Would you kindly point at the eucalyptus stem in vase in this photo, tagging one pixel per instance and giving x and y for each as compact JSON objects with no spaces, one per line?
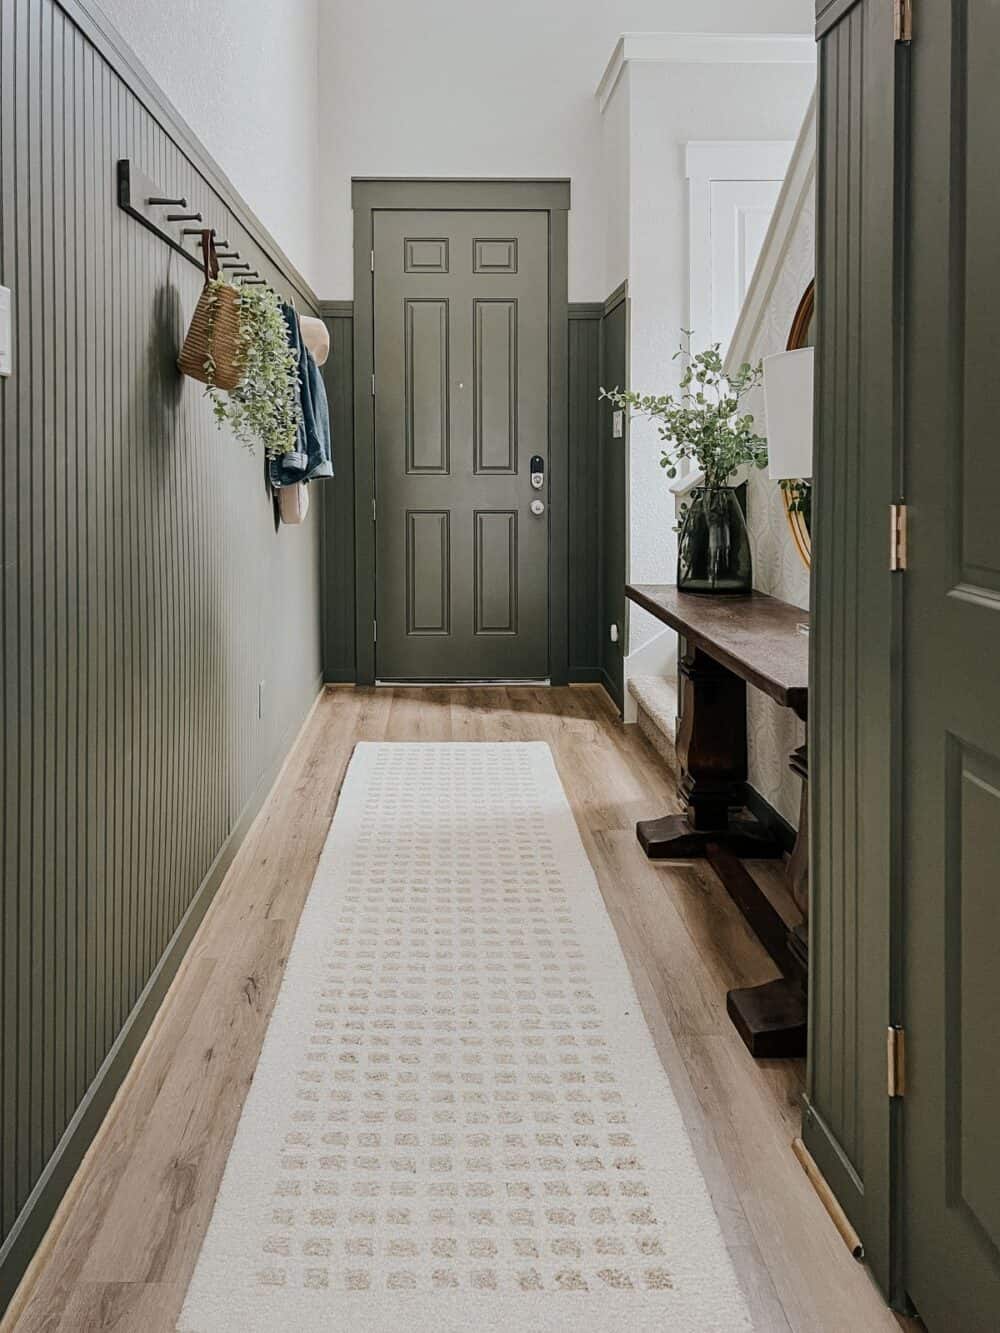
{"x":706,"y":423}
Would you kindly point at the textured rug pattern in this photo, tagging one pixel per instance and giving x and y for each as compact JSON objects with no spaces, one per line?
{"x":459,"y":1118}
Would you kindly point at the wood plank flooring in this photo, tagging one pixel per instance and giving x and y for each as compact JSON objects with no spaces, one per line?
{"x":122,"y":1249}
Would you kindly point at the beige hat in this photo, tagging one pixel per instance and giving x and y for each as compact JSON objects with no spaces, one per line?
{"x":293,"y":502}
{"x":316,"y":337}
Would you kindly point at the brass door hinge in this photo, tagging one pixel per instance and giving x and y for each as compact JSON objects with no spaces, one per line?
{"x":896,"y":1061}
{"x":897,"y":537}
{"x":902,"y":20}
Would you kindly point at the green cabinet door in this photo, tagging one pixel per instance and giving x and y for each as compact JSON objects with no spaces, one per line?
{"x":951,"y":671}
{"x":461,"y":409}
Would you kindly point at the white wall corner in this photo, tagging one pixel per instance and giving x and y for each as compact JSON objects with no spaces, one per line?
{"x":701,"y":48}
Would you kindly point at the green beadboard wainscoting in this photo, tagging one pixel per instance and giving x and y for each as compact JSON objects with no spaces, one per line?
{"x":161,"y":634}
{"x":337,"y":500}
{"x":848,"y":1120}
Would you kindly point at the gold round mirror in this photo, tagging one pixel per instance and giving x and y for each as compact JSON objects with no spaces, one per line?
{"x":798,"y":494}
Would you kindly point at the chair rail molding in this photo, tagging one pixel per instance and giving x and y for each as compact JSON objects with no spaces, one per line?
{"x":705,"y":48}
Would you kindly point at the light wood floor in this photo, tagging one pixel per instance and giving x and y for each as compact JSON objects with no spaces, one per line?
{"x":121,"y":1253}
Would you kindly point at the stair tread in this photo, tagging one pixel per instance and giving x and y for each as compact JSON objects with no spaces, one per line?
{"x":657,"y":697}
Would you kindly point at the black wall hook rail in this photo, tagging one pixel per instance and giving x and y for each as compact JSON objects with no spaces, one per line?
{"x":142,"y":198}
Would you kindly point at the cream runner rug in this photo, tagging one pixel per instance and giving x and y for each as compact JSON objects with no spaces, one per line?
{"x":459,"y":1120}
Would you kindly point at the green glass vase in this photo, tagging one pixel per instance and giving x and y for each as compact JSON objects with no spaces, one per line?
{"x":713,"y":554}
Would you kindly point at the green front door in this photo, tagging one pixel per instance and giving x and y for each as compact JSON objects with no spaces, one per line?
{"x":461,"y":410}
{"x":951,"y":670}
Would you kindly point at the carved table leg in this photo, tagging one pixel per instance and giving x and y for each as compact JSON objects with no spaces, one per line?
{"x":712,"y":754}
{"x":798,"y":864}
{"x":771,"y":1018}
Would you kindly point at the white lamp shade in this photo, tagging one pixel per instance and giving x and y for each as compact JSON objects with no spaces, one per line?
{"x":788,"y":407}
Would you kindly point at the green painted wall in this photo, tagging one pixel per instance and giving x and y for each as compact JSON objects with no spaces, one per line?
{"x":146,"y":593}
{"x":613,"y":498}
{"x":584,"y":493}
{"x":336,"y":500}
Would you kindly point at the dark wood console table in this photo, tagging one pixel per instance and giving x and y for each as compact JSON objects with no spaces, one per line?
{"x":730,"y":642}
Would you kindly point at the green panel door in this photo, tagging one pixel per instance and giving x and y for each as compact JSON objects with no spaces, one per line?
{"x":461,"y":408}
{"x":951,"y":768}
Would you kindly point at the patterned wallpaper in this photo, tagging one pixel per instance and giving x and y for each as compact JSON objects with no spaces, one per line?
{"x":778,"y":569}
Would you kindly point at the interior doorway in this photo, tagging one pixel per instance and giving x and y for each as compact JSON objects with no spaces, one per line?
{"x":460,"y":354}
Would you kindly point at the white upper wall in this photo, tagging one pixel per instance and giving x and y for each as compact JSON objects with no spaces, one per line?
{"x":666,"y":104}
{"x":244,"y":74}
{"x":470,"y":88}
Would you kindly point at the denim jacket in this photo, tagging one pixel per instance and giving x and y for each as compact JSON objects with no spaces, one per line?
{"x":311,"y":456}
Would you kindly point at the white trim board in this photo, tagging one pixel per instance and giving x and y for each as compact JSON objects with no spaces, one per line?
{"x":705,"y":48}
{"x":800,"y":183}
{"x":708,"y":162}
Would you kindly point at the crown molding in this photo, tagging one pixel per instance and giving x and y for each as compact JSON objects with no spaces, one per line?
{"x":705,"y":48}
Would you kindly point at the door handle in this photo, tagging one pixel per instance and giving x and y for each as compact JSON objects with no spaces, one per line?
{"x":538,"y":507}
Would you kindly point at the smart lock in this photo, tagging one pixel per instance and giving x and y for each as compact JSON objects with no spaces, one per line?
{"x":537,"y":471}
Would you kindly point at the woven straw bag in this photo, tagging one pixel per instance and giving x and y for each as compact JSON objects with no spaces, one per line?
{"x":214,"y":333}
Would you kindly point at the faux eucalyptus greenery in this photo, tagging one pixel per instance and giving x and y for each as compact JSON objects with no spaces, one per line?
{"x":265,"y":407}
{"x":704,"y":421}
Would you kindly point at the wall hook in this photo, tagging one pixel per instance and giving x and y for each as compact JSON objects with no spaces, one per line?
{"x":183,"y":217}
{"x":159,"y":199}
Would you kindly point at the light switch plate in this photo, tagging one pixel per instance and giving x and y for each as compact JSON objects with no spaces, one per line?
{"x":6,"y":340}
{"x":618,"y":423}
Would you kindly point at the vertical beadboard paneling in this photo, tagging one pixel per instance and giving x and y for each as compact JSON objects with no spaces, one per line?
{"x":847,"y":1122}
{"x":584,"y":495}
{"x":146,"y":590}
{"x":613,"y":505}
{"x":337,"y":500}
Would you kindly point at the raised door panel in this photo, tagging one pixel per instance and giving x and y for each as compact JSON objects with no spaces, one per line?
{"x":972,"y":1074}
{"x":979,"y":541}
{"x":494,"y":254}
{"x":496,"y":562}
{"x":426,"y":370}
{"x":494,"y":380}
{"x":428,"y":572}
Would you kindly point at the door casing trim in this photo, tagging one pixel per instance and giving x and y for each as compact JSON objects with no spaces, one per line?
{"x":368,"y":196}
